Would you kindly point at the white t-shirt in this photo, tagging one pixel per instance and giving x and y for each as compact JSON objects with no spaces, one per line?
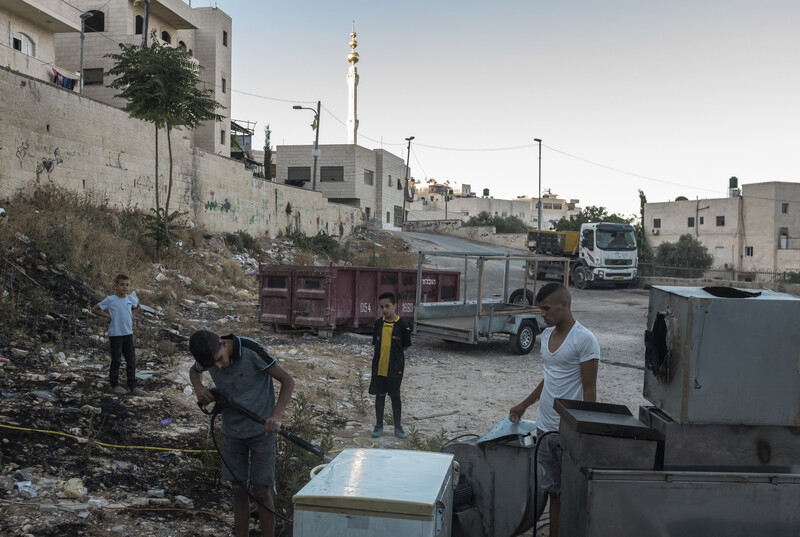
{"x":120,"y":311}
{"x":562,"y":371}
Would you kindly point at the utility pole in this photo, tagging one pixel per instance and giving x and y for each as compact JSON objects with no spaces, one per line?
{"x":405,"y":189}
{"x":539,"y":201}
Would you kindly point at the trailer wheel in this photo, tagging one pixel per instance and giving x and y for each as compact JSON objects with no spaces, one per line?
{"x":522,"y":342}
{"x":516,"y":297}
{"x":533,"y":274}
{"x":580,"y":277}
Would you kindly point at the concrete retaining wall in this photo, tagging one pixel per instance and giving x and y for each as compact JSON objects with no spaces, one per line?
{"x":49,"y":135}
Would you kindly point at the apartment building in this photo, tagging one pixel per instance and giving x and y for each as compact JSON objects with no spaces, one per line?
{"x":757,"y":228}
{"x":349,"y":174}
{"x":28,"y":32}
{"x":430,"y":204}
{"x":204,"y":32}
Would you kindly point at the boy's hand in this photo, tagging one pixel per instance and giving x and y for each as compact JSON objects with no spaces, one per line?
{"x":204,"y":395}
{"x":272,"y":425}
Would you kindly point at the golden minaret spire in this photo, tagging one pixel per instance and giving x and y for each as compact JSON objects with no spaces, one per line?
{"x":352,"y":83}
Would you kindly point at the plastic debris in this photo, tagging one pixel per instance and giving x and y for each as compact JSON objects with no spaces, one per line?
{"x":187,"y":390}
{"x":155,"y":493}
{"x":26,"y":489}
{"x":166,"y":422}
{"x":75,"y":489}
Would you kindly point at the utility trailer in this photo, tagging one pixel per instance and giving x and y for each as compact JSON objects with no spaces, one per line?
{"x":488,"y":306}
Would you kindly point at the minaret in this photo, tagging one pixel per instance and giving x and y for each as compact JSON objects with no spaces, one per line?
{"x":352,"y":83}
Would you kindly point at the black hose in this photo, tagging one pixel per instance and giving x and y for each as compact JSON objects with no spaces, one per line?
{"x":233,"y":474}
{"x":536,"y":469}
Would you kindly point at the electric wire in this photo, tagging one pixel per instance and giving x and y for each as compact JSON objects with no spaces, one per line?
{"x":104,"y":444}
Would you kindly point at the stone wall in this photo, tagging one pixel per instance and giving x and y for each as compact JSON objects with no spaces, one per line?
{"x":51,"y":135}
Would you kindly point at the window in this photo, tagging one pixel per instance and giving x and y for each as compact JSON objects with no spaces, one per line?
{"x":505,"y":214}
{"x":331,"y":173}
{"x":399,"y":185}
{"x":748,"y":251}
{"x":369,"y":177}
{"x":720,"y":221}
{"x":182,"y":46}
{"x":165,"y":37}
{"x":656,"y":222}
{"x":96,"y":23}
{"x":702,"y":220}
{"x":368,"y":211}
{"x":223,"y":85}
{"x":465,"y":213}
{"x":139,"y":25}
{"x":390,"y":183}
{"x":690,"y":222}
{"x":784,"y":208}
{"x":398,"y":214}
{"x":388,"y":217}
{"x":224,"y":38}
{"x":93,"y":77}
{"x":24,"y":44}
{"x":299,"y":175}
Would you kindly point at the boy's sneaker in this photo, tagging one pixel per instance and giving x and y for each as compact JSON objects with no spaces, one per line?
{"x":399,"y":432}
{"x":377,"y":431}
{"x":139,"y":392}
{"x":119,"y":390}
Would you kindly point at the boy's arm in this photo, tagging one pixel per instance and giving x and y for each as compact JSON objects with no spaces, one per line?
{"x":135,"y":310}
{"x":99,"y":312}
{"x":273,"y":423}
{"x":203,"y":394}
{"x":589,"y":380}
{"x":516,"y":412}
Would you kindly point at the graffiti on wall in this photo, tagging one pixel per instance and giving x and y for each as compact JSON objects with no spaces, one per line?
{"x":225,"y":206}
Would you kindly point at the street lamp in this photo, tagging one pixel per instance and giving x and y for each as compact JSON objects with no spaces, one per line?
{"x":315,"y":153}
{"x":85,"y":15}
{"x":405,"y":189}
{"x":539,"y":140}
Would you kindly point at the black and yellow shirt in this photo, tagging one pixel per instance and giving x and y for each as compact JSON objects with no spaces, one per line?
{"x":389,"y":339}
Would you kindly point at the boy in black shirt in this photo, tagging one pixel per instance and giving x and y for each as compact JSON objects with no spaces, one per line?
{"x":391,"y":336}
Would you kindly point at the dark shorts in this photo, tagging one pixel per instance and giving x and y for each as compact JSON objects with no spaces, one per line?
{"x":383,"y":385}
{"x":252,"y":460}
{"x":550,"y":464}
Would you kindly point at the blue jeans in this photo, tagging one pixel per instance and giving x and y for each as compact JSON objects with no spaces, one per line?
{"x":122,"y":346}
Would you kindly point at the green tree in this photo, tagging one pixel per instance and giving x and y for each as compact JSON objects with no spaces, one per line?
{"x":589,"y":215}
{"x":687,"y":253}
{"x":160,"y":83}
{"x":267,"y":153}
{"x":502,"y":224}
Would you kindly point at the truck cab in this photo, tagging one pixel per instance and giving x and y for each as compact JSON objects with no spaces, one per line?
{"x":607,"y":253}
{"x":599,"y":252}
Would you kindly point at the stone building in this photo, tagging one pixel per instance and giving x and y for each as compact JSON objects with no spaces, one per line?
{"x":205,"y":32}
{"x":28,"y":35}
{"x":755,"y":229}
{"x":369,"y":179}
{"x":430,"y":204}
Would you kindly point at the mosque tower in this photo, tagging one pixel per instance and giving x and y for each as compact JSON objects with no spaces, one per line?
{"x":352,"y":83}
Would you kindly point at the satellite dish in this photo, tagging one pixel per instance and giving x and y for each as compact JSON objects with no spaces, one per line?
{"x":681,"y":198}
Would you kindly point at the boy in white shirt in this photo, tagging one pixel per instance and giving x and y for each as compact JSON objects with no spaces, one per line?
{"x":570,"y":354}
{"x":121,"y":308}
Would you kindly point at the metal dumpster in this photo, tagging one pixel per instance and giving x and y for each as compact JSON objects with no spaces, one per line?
{"x":345,"y":298}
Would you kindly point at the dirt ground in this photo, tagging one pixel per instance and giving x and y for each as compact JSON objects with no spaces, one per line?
{"x":449,"y":390}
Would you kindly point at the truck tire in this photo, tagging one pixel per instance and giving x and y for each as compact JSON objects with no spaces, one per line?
{"x":516,"y":297}
{"x":523,"y":341}
{"x":580,"y":277}
{"x":530,"y":268}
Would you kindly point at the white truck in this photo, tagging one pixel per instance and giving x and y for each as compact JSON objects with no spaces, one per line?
{"x":599,"y":252}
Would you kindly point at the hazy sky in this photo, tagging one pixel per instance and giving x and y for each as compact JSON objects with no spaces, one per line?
{"x":669,"y":97}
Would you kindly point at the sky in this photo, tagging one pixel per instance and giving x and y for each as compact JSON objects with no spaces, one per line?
{"x":671,"y":98}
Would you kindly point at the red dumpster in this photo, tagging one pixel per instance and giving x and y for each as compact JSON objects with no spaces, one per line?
{"x":344,"y":298}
